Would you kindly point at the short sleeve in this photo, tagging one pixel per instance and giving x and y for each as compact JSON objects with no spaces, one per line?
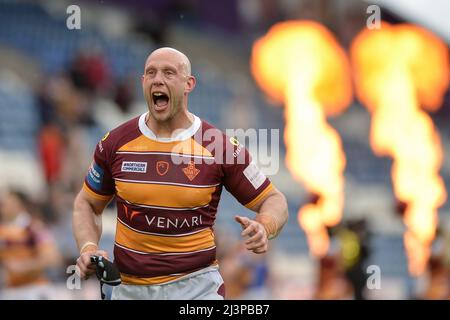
{"x":98,"y":181}
{"x":242,"y":177}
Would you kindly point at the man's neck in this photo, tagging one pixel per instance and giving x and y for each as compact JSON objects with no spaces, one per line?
{"x":166,"y":129}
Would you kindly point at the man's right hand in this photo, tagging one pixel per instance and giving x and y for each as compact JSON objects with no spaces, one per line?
{"x":86,"y":267}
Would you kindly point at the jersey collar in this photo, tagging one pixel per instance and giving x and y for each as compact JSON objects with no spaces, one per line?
{"x":182,"y":135}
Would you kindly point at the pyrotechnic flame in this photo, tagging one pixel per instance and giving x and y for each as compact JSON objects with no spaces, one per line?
{"x":300,"y":64}
{"x":398,"y":70}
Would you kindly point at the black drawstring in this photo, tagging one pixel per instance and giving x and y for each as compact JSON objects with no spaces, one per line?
{"x":102,"y":294}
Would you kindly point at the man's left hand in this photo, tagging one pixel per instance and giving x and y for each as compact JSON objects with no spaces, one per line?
{"x":255,"y":234}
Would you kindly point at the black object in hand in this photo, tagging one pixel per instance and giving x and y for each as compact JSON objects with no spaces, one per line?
{"x":106,"y":272}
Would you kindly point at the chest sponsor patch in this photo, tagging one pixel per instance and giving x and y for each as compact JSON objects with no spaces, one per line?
{"x":132,"y":166}
{"x":254,"y":175}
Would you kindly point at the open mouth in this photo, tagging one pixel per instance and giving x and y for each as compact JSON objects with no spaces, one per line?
{"x":160,"y":100}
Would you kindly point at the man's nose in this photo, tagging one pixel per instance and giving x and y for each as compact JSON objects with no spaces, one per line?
{"x":158,"y":79}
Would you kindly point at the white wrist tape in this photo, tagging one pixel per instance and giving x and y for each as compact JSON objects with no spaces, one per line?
{"x":86,"y":244}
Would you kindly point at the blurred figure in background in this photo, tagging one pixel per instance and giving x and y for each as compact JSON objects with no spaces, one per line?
{"x":123,"y":94}
{"x":332,"y":284}
{"x":27,"y":250}
{"x":246,"y":275}
{"x":438,"y":275}
{"x":438,"y":287}
{"x":89,"y":71}
{"x":51,"y":148}
{"x":235,"y":272}
{"x":355,"y":251}
{"x":342,"y":275}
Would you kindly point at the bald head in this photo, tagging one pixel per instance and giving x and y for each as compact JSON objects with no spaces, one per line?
{"x":179,"y":58}
{"x":166,"y":84}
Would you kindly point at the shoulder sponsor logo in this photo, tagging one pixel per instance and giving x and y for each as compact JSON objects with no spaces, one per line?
{"x":254,"y":175}
{"x":191,"y":171}
{"x":100,"y":146}
{"x":234,"y":141}
{"x":132,"y":166}
{"x":95,"y":176}
{"x":105,"y":136}
{"x":237,"y":151}
{"x":162,"y":167}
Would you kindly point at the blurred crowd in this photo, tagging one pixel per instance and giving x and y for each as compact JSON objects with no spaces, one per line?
{"x":36,"y":245}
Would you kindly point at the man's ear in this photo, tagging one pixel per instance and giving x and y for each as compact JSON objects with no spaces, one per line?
{"x":190,"y":84}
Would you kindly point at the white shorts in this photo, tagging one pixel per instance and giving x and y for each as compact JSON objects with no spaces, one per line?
{"x":206,"y":285}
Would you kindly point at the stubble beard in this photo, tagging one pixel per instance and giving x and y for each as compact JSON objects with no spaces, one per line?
{"x":166,"y":117}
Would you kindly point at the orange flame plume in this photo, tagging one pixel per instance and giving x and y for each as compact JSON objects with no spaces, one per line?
{"x":398,"y":70}
{"x":301,"y":64}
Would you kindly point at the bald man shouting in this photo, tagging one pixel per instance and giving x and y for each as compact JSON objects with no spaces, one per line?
{"x":166,"y":170}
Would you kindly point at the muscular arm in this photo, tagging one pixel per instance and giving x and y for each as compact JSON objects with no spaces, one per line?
{"x":87,"y":229}
{"x":272,"y":214}
{"x":87,"y":221}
